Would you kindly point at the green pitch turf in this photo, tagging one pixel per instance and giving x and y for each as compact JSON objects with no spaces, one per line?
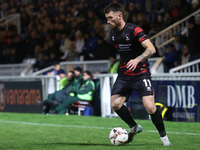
{"x":20,"y":131}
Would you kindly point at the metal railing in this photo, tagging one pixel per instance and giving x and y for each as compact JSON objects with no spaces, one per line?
{"x":158,"y":66}
{"x":100,"y":66}
{"x":190,"y":67}
{"x":14,"y":69}
{"x":168,"y":33}
{"x":93,"y":66}
{"x":25,"y":69}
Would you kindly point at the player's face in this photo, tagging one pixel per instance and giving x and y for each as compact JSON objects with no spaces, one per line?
{"x":113,"y":19}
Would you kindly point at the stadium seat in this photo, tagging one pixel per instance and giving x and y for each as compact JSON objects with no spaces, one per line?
{"x":81,"y":106}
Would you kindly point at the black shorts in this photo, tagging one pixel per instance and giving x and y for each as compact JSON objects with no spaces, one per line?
{"x":141,"y":84}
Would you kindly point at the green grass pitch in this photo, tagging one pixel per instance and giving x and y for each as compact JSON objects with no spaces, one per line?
{"x":20,"y":131}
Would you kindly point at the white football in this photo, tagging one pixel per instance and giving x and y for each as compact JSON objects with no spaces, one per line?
{"x":118,"y":136}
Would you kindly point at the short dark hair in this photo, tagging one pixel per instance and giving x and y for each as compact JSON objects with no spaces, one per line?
{"x":78,"y":69}
{"x":114,"y":7}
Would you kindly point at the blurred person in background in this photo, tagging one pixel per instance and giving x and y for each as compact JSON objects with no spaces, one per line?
{"x":185,"y":55}
{"x":63,"y":81}
{"x":56,"y":68}
{"x":57,"y":97}
{"x":79,"y":42}
{"x":197,"y":20}
{"x":104,"y":47}
{"x":171,"y":58}
{"x":91,"y":42}
{"x":114,"y":64}
{"x":193,"y":39}
{"x":85,"y":93}
{"x":132,"y":10}
{"x":195,"y":5}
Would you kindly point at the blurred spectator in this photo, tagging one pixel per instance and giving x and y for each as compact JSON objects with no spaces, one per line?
{"x":53,"y":57}
{"x":64,"y":44}
{"x":78,"y":79}
{"x":183,"y":9}
{"x":56,"y":68}
{"x":114,"y":64}
{"x":103,"y":50}
{"x":159,"y":23}
{"x":185,"y":55}
{"x":173,"y":7}
{"x":193,"y":39}
{"x":57,"y":97}
{"x":167,"y":19}
{"x":62,"y":79}
{"x":197,"y":20}
{"x":160,"y":8}
{"x":134,"y":19}
{"x":68,"y":44}
{"x":12,"y":56}
{"x":31,"y":44}
{"x":171,"y":58}
{"x":99,"y":28}
{"x":71,"y":55}
{"x":19,"y":46}
{"x":85,"y":93}
{"x":82,"y":7}
{"x":195,"y":5}
{"x":41,"y":62}
{"x":132,"y":10}
{"x":92,"y":18}
{"x":38,"y":50}
{"x":74,"y":28}
{"x":65,"y":80}
{"x":79,"y":41}
{"x":53,"y":49}
{"x":180,"y":40}
{"x":143,"y":22}
{"x":90,"y":45}
{"x":82,"y":23}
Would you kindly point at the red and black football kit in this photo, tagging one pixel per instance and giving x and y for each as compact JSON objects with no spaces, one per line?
{"x":128,"y":44}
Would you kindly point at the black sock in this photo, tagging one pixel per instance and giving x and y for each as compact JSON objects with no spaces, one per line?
{"x":125,"y":115}
{"x":158,"y":122}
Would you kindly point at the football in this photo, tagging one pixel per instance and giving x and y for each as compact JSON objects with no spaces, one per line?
{"x":118,"y":136}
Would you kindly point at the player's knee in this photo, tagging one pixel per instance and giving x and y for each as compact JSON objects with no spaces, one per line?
{"x":117,"y":102}
{"x":114,"y":105}
{"x":150,"y":109}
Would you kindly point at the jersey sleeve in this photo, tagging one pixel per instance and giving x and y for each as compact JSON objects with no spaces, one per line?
{"x":139,"y":34}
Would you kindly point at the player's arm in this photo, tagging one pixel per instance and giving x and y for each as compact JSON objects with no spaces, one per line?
{"x":149,"y":50}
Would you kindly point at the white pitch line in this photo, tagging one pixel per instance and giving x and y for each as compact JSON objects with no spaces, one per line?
{"x":75,"y":126}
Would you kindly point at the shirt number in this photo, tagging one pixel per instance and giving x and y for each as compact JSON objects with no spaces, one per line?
{"x":147,"y":82}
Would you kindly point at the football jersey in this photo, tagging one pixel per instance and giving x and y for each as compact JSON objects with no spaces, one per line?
{"x":128,"y":44}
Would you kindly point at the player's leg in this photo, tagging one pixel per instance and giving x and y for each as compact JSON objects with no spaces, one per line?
{"x":156,"y":117}
{"x":117,"y":104}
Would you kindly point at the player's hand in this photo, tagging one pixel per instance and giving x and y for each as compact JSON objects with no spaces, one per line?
{"x":131,"y":65}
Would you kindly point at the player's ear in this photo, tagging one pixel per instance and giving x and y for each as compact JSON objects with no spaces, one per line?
{"x":120,"y":16}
